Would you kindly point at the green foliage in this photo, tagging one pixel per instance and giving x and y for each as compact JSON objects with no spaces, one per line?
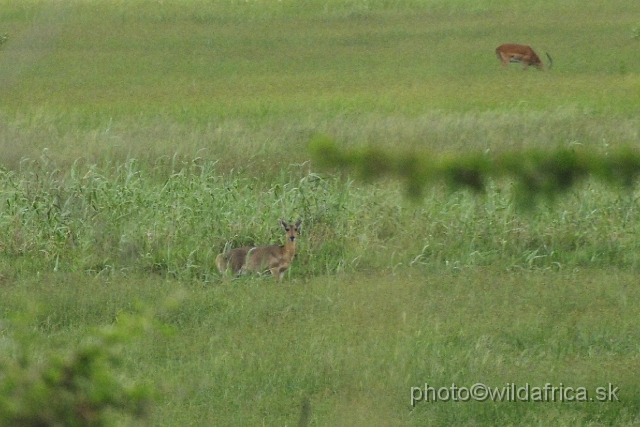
{"x":80,"y":388}
{"x":536,"y":172}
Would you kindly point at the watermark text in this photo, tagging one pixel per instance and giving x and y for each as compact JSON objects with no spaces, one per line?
{"x":512,"y":392}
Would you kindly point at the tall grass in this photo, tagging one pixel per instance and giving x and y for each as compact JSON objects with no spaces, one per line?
{"x":128,"y":217}
{"x":63,"y":139}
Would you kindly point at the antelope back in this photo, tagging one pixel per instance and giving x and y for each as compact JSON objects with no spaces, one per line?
{"x":511,"y":52}
{"x":233,"y":260}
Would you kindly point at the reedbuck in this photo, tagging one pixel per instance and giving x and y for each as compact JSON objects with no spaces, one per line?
{"x":520,"y":53}
{"x":259,"y":259}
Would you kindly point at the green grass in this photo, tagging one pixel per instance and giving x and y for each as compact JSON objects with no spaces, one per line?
{"x":277,"y":59}
{"x":139,"y":139}
{"x":249,"y":352}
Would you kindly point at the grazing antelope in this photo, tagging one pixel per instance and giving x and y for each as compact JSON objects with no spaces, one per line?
{"x":259,"y":259}
{"x":520,"y":53}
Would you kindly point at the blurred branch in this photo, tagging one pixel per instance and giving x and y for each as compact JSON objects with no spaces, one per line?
{"x":81,"y":388}
{"x":535,"y":172}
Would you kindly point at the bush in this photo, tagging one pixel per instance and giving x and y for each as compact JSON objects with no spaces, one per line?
{"x":81,"y":388}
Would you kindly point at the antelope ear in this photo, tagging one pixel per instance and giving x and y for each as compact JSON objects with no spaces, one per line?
{"x":284,"y":224}
{"x":298,"y":223}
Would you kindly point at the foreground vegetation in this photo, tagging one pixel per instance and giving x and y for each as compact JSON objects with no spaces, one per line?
{"x":139,"y":139}
{"x":251,"y":351}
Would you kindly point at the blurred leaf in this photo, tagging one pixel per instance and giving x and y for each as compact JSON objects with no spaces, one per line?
{"x":535,"y":172}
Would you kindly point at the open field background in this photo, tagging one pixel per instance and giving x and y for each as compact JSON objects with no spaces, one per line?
{"x":138,"y":139}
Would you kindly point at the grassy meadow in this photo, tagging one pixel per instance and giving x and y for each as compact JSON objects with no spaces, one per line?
{"x":140,"y":138}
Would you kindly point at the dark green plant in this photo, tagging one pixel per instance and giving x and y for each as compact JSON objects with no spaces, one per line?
{"x":81,"y":388}
{"x":535,"y":172}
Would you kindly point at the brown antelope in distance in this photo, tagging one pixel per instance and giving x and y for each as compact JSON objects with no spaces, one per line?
{"x":520,"y":53}
{"x":258,"y":259}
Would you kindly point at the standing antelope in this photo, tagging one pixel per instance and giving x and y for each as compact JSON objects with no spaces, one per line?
{"x":258,"y":259}
{"x":520,"y":53}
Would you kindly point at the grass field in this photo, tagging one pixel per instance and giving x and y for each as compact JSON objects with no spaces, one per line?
{"x":141,"y":138}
